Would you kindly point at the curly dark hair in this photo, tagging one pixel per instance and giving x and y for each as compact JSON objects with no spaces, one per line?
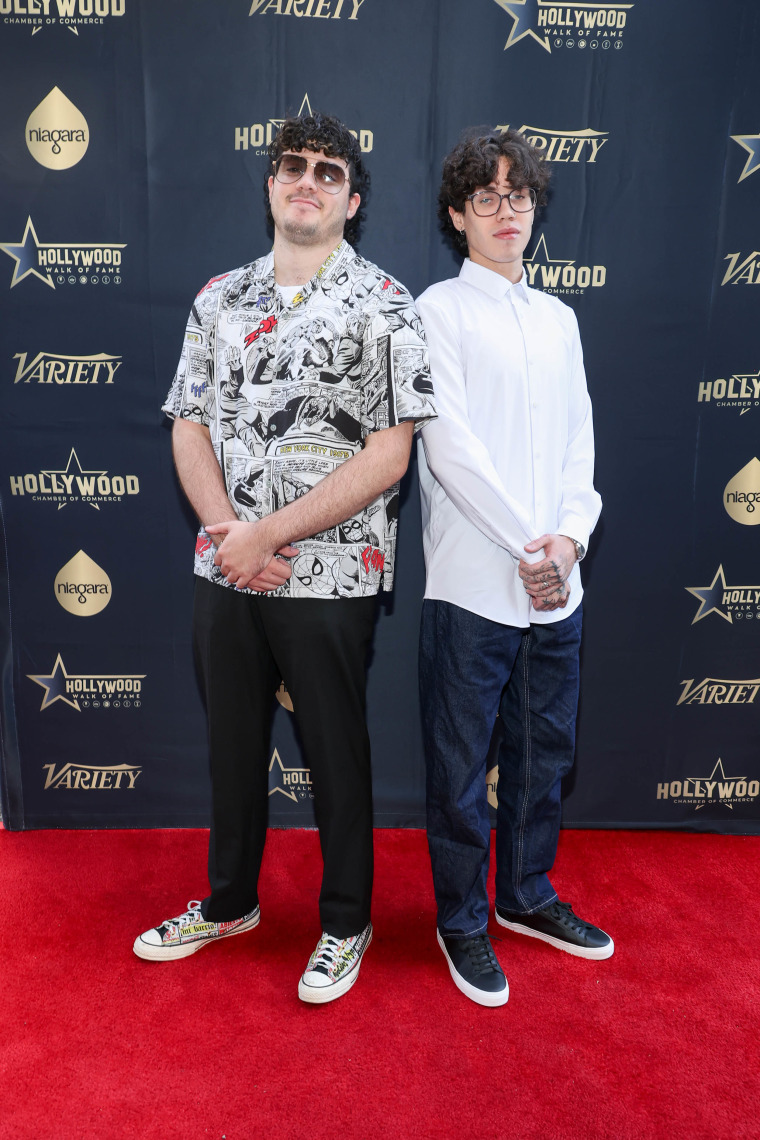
{"x":474,"y":162}
{"x":326,"y":133}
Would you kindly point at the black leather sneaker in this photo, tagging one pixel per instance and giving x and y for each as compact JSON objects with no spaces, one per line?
{"x":558,"y":925}
{"x":474,"y":968}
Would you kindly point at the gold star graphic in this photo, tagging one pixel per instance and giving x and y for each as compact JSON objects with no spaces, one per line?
{"x":751,"y":144}
{"x":288,"y":792}
{"x":74,"y":467}
{"x":541,"y":244}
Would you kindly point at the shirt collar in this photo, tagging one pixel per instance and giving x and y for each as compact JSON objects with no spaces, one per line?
{"x":340,"y":256}
{"x":493,"y":283}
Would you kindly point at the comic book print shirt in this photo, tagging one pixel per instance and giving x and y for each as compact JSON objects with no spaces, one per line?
{"x":290,"y":391}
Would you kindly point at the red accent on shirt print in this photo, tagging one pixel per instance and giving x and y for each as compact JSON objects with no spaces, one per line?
{"x":266,"y":326}
{"x":373,"y":559}
{"x":213,"y":281}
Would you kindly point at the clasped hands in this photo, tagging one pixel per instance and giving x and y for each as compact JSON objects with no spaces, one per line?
{"x":246,"y":558}
{"x":546,"y":581}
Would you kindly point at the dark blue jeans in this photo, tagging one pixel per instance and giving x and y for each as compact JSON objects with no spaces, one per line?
{"x":471,"y":670}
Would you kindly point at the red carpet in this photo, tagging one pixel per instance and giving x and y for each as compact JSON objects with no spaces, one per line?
{"x":659,"y":1041}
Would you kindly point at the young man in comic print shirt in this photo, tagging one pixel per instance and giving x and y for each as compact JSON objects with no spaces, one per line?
{"x":508,"y":504}
{"x":292,"y":427}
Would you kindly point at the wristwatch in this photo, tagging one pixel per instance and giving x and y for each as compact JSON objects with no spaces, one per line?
{"x":580,"y":549}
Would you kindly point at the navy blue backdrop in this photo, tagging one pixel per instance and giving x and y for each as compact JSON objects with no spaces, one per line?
{"x":132,"y":156}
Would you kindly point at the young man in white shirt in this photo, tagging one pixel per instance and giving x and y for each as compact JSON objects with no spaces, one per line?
{"x":508,"y":504}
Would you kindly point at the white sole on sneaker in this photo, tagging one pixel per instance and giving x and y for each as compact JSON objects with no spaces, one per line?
{"x":597,"y":953}
{"x":172,"y":953}
{"x":318,"y":995}
{"x":482,"y":997}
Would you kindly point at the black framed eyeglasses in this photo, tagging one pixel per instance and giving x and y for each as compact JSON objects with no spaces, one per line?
{"x":327,"y":175}
{"x":488,"y":202}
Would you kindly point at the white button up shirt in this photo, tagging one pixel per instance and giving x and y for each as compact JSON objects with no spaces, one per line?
{"x":511,"y":455}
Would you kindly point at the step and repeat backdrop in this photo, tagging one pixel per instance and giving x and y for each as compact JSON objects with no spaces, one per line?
{"x":132,"y":151}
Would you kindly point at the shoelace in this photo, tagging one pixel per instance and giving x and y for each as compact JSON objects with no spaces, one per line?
{"x":328,"y":951}
{"x":481,"y":953}
{"x":563,"y":913}
{"x":192,"y":914}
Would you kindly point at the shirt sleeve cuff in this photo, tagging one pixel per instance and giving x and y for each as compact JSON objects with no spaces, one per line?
{"x":574,"y":527}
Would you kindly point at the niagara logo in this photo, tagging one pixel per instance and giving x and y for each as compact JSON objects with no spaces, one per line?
{"x":57,"y":134}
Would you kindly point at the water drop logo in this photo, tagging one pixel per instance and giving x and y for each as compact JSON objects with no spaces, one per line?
{"x":82,"y":587}
{"x":741,"y":498}
{"x":57,"y":134}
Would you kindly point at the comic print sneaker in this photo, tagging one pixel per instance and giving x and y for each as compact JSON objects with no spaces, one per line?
{"x":333,"y":967}
{"x":560,"y":926}
{"x":179,"y":937}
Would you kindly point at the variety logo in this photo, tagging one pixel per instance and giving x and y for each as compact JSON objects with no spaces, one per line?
{"x":715,"y":691}
{"x":555,"y":275}
{"x":751,"y":144}
{"x":744,"y":272}
{"x":314,"y":9}
{"x":742,"y":390}
{"x":741,"y":496}
{"x":53,"y":368}
{"x":259,"y":135}
{"x":729,"y":602}
{"x":293,"y":783}
{"x":82,"y":587}
{"x":61,"y":263}
{"x":563,"y":146}
{"x":90,"y":777}
{"x":56,"y":132}
{"x":73,"y":484}
{"x":89,"y":690}
{"x":717,"y":788}
{"x":71,"y":14}
{"x":582,"y":24}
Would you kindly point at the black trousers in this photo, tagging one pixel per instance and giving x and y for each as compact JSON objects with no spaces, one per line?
{"x":245,"y":645}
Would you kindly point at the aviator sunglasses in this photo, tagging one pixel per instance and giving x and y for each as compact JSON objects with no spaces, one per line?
{"x":327,"y":175}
